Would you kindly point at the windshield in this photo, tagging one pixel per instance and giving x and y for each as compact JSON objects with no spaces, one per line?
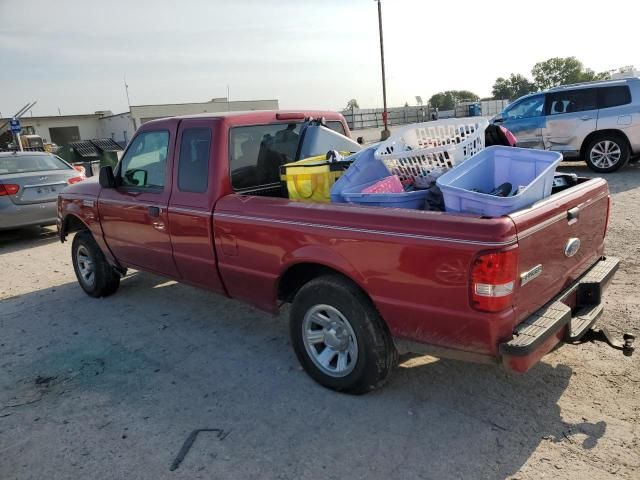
{"x":30,"y":163}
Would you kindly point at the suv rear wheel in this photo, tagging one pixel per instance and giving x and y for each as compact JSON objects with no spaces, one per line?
{"x":607,"y":153}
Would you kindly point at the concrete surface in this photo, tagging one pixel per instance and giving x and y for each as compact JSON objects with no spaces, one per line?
{"x":111,"y":388}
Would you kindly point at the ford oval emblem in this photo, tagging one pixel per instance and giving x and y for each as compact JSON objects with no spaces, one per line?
{"x":572,"y":247}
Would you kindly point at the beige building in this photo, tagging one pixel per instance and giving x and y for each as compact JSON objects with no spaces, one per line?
{"x":120,"y":127}
{"x":143,"y":113}
{"x":63,"y":129}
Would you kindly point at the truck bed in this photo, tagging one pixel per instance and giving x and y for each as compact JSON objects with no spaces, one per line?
{"x":414,"y":264}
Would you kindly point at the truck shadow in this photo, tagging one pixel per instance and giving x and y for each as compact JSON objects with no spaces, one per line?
{"x":164,"y":359}
{"x":25,"y":238}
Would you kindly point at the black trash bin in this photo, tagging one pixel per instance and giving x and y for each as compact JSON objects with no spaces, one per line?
{"x":86,"y":154}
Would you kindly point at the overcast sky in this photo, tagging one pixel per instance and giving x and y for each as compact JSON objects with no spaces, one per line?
{"x":73,"y":55}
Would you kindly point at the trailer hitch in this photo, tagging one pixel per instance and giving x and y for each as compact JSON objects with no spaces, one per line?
{"x":603,"y":335}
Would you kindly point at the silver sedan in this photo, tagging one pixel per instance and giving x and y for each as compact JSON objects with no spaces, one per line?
{"x":29,"y":187}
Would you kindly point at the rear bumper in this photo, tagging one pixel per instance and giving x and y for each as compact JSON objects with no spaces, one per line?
{"x":557,"y":321}
{"x":17,"y":216}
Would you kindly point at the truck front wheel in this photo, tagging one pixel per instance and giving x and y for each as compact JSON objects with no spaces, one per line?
{"x":339,"y":337}
{"x":96,"y":277}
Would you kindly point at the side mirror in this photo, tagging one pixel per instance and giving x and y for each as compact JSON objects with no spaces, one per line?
{"x":107,"y":178}
{"x":498,"y":118}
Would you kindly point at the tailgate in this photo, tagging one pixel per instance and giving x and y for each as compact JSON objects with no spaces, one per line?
{"x":559,"y":239}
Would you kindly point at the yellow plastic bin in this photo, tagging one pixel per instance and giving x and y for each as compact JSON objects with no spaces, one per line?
{"x":311,"y":179}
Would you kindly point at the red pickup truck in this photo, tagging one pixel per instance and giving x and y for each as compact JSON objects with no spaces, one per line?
{"x":198,"y":199}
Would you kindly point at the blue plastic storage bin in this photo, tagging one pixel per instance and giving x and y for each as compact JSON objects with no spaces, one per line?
{"x":413,"y":200}
{"x":492,"y":167}
{"x":364,"y":169}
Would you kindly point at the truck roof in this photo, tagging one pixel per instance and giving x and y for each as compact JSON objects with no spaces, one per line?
{"x":262,"y":115}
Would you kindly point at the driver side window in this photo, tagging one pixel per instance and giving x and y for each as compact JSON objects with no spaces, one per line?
{"x":145,"y":163}
{"x":529,"y":107}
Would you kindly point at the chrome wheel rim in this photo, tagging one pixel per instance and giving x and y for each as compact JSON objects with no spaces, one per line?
{"x":605,"y":154}
{"x":330,"y":340}
{"x":85,"y":266}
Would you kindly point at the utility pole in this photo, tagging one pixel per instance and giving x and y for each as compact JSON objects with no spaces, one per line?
{"x":126,"y":90}
{"x":18,"y":141}
{"x":385,"y":133}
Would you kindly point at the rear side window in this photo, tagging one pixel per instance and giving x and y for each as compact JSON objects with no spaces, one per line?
{"x":30,"y":163}
{"x":193,"y":166}
{"x":336,"y":126}
{"x":613,"y":96}
{"x":256,"y":153}
{"x":571,"y":101}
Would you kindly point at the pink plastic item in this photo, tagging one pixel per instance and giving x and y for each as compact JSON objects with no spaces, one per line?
{"x":511,"y":138}
{"x":390,"y":184}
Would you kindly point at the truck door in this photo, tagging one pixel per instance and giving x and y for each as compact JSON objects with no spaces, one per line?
{"x":134,"y":215}
{"x":191,"y":205}
{"x":525,"y":119}
{"x":571,"y":116}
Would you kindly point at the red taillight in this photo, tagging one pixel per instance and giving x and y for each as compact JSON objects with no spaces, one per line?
{"x":290,"y":116}
{"x":80,"y":168}
{"x":8,"y":189}
{"x":493,"y":279}
{"x":73,"y":180}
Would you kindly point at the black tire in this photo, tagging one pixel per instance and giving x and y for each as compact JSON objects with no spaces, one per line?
{"x":595,"y":147}
{"x":105,"y":279}
{"x":376,"y":355}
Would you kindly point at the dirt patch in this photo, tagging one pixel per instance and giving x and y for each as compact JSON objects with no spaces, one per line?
{"x":111,"y":388}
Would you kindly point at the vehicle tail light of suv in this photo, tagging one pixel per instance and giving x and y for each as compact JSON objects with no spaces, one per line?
{"x":8,"y":189}
{"x":493,"y":279}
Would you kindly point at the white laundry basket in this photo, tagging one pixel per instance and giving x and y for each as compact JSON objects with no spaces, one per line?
{"x":418,"y":149}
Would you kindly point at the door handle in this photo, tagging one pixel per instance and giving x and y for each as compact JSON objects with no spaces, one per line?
{"x":573,"y":214}
{"x":154,"y":211}
{"x":585,"y":118}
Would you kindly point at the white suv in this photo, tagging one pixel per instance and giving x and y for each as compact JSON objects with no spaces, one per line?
{"x":598,"y":122}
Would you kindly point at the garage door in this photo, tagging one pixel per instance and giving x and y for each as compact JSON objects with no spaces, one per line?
{"x":64,"y":135}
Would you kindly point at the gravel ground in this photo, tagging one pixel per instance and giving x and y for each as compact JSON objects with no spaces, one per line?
{"x":111,"y":388}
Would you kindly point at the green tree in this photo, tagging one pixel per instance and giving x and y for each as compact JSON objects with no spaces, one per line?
{"x":447,"y":100}
{"x":561,"y":71}
{"x":513,"y":87}
{"x":502,"y":89}
{"x":521,"y":85}
{"x":352,"y":104}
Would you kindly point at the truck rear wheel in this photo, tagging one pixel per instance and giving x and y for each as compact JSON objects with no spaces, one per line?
{"x":339,"y":337}
{"x":96,"y":277}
